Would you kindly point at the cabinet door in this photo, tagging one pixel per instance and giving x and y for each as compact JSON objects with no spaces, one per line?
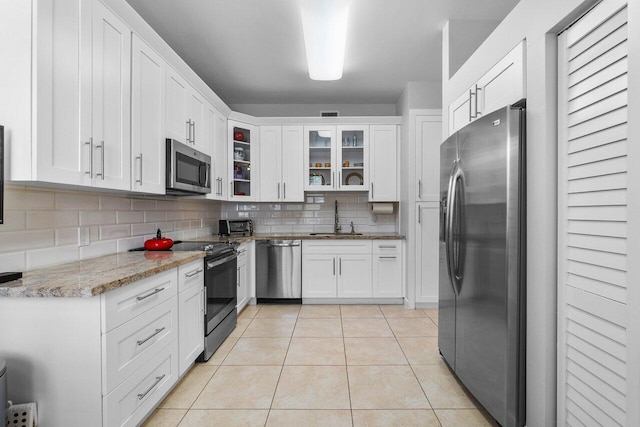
{"x":319,"y":276}
{"x":383,"y":163}
{"x":352,"y":157}
{"x":270,"y":181}
{"x":504,"y":84}
{"x":387,"y":276}
{"x":427,"y":253}
{"x":220,"y":156}
{"x":460,"y":112}
{"x":63,"y":107}
{"x":292,"y":164}
{"x":147,"y":123}
{"x":244,"y":166}
{"x":176,"y":107}
{"x":354,"y":276}
{"x":428,"y":139}
{"x":243,"y":279}
{"x":320,"y":158}
{"x":111,"y":100}
{"x":191,"y":326}
{"x":196,"y":105}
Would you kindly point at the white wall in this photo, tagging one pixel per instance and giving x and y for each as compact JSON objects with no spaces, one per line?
{"x":537,"y":21}
{"x":419,"y":95}
{"x":313,"y":110}
{"x":465,"y":35}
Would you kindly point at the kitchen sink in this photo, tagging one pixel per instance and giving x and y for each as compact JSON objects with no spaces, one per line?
{"x":335,"y":234}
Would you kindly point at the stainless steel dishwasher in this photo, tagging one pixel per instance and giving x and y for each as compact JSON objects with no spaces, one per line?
{"x":279,"y":271}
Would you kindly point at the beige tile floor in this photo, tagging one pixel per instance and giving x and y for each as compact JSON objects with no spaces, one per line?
{"x":324,"y":365}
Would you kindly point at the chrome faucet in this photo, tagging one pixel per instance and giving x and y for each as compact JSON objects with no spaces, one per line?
{"x":336,"y":226}
{"x":353,"y":229}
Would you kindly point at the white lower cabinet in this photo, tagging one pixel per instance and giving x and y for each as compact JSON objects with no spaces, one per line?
{"x":244,"y":275}
{"x":387,"y":269}
{"x":190,"y":313}
{"x":427,"y":253}
{"x":352,"y":269}
{"x":107,"y":360}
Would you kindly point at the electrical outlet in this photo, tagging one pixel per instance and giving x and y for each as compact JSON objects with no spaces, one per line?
{"x":84,"y":236}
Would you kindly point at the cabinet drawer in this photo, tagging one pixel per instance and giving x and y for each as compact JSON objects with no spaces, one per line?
{"x":387,"y":247}
{"x":129,"y":346}
{"x":332,"y":247}
{"x":127,"y":302}
{"x":129,"y":403}
{"x":191,"y":274}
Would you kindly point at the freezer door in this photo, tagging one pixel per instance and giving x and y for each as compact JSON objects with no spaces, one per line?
{"x":447,"y":297}
{"x":487,"y":309}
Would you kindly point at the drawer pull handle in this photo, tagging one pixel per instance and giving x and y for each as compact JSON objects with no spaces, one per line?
{"x":151,"y":336}
{"x":387,"y":246}
{"x":158,"y":379}
{"x":387,"y":257}
{"x":193,"y":273}
{"x":151,"y":294}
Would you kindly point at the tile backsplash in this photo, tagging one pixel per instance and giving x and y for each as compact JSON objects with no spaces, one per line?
{"x":41,"y":225}
{"x":315,"y":215}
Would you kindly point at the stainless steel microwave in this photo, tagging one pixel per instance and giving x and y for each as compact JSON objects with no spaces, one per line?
{"x":188,"y":170}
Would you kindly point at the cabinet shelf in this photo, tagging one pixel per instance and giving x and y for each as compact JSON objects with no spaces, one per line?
{"x":241,"y":180}
{"x":241,"y":142}
{"x":350,"y":147}
{"x":244,"y":162}
{"x":359,"y":168}
{"x":319,"y":169}
{"x":319,"y":148}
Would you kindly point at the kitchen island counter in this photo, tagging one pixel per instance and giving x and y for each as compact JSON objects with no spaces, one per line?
{"x":94,"y":276}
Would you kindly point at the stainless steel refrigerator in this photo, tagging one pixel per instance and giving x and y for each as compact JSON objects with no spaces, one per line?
{"x":482,"y":261}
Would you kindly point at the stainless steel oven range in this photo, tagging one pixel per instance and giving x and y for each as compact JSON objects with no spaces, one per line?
{"x":221,"y":291}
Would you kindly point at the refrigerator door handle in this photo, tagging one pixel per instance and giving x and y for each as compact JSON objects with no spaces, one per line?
{"x":447,"y":226}
{"x":453,"y":251}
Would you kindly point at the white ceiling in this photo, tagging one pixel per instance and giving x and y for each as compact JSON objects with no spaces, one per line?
{"x":252,"y":51}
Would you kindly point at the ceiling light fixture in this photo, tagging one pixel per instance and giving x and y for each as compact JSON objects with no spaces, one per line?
{"x":324,"y":23}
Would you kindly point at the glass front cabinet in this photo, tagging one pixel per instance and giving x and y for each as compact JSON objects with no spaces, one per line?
{"x":243,"y":155}
{"x":336,"y":158}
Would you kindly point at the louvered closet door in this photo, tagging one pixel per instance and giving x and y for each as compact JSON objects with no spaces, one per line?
{"x":592,"y":229}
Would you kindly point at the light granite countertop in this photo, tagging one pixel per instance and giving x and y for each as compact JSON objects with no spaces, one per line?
{"x":94,"y":276}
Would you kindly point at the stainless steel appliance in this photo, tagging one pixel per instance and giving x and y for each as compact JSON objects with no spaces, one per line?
{"x":188,"y":170}
{"x":3,"y":392}
{"x":1,"y":174}
{"x":279,"y":271}
{"x":481,"y":332}
{"x":235,"y":227}
{"x":221,"y":293}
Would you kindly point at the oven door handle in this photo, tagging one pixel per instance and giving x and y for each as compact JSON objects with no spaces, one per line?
{"x":213,"y":264}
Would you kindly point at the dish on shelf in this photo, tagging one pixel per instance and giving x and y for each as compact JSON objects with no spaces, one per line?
{"x":238,"y":136}
{"x":316,"y":179}
{"x":358,"y":164}
{"x":354,"y":179}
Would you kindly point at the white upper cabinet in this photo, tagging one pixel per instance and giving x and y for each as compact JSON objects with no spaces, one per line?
{"x":281,"y":164}
{"x":216,"y":137}
{"x":383,"y":163}
{"x":198,"y":134}
{"x":178,"y":125}
{"x":502,"y":85}
{"x":111,"y":100}
{"x":69,"y":109}
{"x":147,"y":119}
{"x":292,"y":164}
{"x":428,"y":136}
{"x":185,"y":113}
{"x":336,"y":158}
{"x":243,"y":161}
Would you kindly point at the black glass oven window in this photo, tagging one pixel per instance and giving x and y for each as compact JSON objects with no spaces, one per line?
{"x":221,"y":282}
{"x":189,"y":170}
